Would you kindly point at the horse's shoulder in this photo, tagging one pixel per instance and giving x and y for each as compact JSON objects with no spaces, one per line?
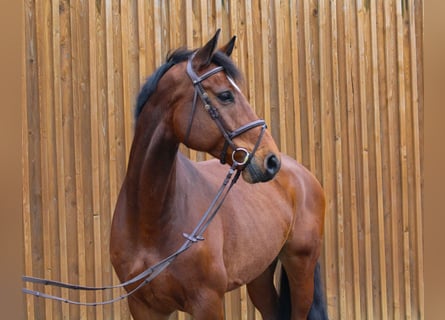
{"x":298,"y":178}
{"x":295,"y":169}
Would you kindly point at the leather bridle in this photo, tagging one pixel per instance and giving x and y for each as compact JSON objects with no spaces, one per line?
{"x":237,"y":152}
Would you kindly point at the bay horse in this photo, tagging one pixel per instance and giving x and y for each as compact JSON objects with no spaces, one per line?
{"x":195,"y":99}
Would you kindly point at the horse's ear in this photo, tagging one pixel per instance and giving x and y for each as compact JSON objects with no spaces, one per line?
{"x":228,"y":48}
{"x":204,"y":55}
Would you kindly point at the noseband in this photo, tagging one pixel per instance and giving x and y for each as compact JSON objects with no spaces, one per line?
{"x":240,"y":156}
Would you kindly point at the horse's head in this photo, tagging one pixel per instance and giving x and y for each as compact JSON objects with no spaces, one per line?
{"x":211,"y":114}
{"x":216,"y":117}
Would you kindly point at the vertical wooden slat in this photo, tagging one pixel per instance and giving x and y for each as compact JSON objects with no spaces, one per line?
{"x":403,"y":157}
{"x":112,"y":117}
{"x":95,"y":162}
{"x":414,"y":49}
{"x":157,"y":30}
{"x":279,"y":29}
{"x":189,"y":23}
{"x":218,"y":16}
{"x":59,"y":141}
{"x":78,"y":101}
{"x":265,"y":59}
{"x":26,"y":209}
{"x":27,"y":63}
{"x":174,"y":21}
{"x":44,"y":42}
{"x":66,"y":133}
{"x":378,"y":161}
{"x":361,"y":34}
{"x":308,"y":80}
{"x":390,"y":49}
{"x":338,"y":169}
{"x":141,"y":19}
{"x":328,"y":161}
{"x":351,"y":125}
{"x":111,"y":106}
{"x":104,"y":151}
{"x":125,"y":30}
{"x":205,"y":32}
{"x":295,"y":80}
{"x":33,"y":218}
{"x":142,"y":23}
{"x":251,"y":54}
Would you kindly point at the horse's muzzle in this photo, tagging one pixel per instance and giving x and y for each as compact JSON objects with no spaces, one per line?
{"x":255,"y":172}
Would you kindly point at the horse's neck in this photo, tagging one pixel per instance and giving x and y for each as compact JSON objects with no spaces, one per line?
{"x":151,"y":176}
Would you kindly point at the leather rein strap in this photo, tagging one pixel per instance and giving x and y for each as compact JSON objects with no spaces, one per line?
{"x":150,"y":273}
{"x":197,"y":234}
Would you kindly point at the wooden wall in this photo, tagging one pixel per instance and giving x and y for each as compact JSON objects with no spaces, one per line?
{"x":339,"y":82}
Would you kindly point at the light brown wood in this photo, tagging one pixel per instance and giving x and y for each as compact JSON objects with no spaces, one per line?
{"x":378,"y":160}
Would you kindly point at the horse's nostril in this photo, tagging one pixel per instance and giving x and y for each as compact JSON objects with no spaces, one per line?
{"x":272,"y":164}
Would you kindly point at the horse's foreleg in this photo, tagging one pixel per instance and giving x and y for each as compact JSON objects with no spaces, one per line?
{"x":207,"y":306}
{"x":263,"y":294}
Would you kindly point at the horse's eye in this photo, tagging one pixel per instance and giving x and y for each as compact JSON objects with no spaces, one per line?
{"x":226,"y":97}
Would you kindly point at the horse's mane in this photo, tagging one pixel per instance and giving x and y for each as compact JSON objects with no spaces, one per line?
{"x":173,"y":58}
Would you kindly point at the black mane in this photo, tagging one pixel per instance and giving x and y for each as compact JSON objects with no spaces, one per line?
{"x":175,"y":57}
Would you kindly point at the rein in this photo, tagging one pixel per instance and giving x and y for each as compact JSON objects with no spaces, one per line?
{"x":197,"y":234}
{"x":150,"y":273}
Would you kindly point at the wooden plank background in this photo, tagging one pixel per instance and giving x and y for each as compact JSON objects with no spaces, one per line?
{"x":339,"y":82}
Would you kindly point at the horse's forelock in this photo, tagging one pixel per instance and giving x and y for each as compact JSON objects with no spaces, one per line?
{"x":221,"y":59}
